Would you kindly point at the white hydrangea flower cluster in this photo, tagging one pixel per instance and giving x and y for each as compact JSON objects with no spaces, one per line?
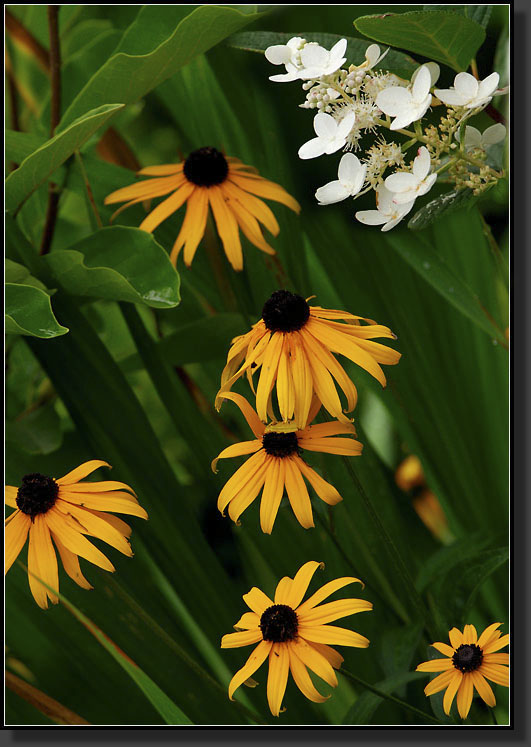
{"x":352,"y":102}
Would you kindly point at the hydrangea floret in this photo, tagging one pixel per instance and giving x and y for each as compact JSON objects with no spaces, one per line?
{"x":356,"y":104}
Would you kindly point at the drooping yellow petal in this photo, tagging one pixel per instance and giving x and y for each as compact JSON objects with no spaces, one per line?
{"x":98,"y":487}
{"x":249,"y":227}
{"x":79,"y":473}
{"x":167,"y":207}
{"x":272,"y":495}
{"x":323,"y":430}
{"x":324,"y":490}
{"x":196,"y":216}
{"x":334,"y":635}
{"x":248,"y":492}
{"x":16,"y":533}
{"x":334,"y":610}
{"x":235,"y":450}
{"x":254,"y":422}
{"x":325,"y":591}
{"x":101,"y":529}
{"x":257,"y":601}
{"x":302,"y":678}
{"x":301,"y":375}
{"x":314,"y":660}
{"x":334,"y":368}
{"x":483,"y":688}
{"x":42,"y":563}
{"x":253,"y":205}
{"x":163,"y":170}
{"x":74,"y":541}
{"x":106,"y":502}
{"x":464,"y":695}
{"x":268,"y":374}
{"x":146,"y":189}
{"x":239,"y":479}
{"x":71,"y":564}
{"x":440,"y":682}
{"x":227,"y":227}
{"x":298,"y":493}
{"x":255,"y":660}
{"x":278,"y":676}
{"x":264,"y":188}
{"x":451,"y":691}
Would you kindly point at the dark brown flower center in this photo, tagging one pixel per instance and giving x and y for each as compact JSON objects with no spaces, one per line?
{"x":279,"y":623}
{"x":467,"y":657}
{"x":280,"y":444}
{"x":205,"y":167}
{"x":285,"y":312}
{"x":37,"y":494}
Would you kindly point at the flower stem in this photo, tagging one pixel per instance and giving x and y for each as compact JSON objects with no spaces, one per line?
{"x":387,"y":696}
{"x":55,"y":115}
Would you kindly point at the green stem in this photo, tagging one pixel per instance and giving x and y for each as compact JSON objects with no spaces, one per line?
{"x":392,"y":698}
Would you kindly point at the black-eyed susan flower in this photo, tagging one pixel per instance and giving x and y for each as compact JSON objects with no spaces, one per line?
{"x":294,"y":635}
{"x":276,"y":465}
{"x":208,"y":178}
{"x":61,"y":512}
{"x":294,"y":344}
{"x":469,"y":662}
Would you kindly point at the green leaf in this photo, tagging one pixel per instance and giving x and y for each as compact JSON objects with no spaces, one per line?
{"x":17,"y":273}
{"x":366,"y":704}
{"x":19,"y":145}
{"x":170,"y":712}
{"x":196,"y":342}
{"x":158,"y":42}
{"x":444,"y":37}
{"x":37,"y":167}
{"x":446,"y":203}
{"x":258,"y":41}
{"x":38,"y":432}
{"x":478,"y":13}
{"x":425,"y":260}
{"x":28,"y":311}
{"x":118,"y":263}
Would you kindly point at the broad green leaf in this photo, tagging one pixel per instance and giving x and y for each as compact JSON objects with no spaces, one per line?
{"x":445,"y":37}
{"x":39,"y":165}
{"x":478,"y":13}
{"x":28,"y":311}
{"x":442,"y":562}
{"x":159,"y":41}
{"x":425,"y":260}
{"x":258,"y":41}
{"x":19,"y":145}
{"x":14,"y":272}
{"x":196,"y":342}
{"x":38,"y":432}
{"x":118,"y":263}
{"x":366,"y":704}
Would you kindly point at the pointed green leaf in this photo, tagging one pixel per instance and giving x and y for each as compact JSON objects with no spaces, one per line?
{"x":366,"y":704}
{"x":118,"y":263}
{"x":28,"y":311}
{"x":41,"y":163}
{"x":445,"y":37}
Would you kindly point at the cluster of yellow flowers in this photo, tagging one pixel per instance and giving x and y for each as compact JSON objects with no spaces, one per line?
{"x":291,"y":351}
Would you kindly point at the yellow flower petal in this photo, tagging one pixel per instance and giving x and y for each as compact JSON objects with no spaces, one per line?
{"x":243,"y":638}
{"x":79,"y":473}
{"x":464,"y":696}
{"x":483,"y":688}
{"x":298,"y":494}
{"x":334,"y":610}
{"x":302,"y":678}
{"x":255,"y":660}
{"x":16,"y":534}
{"x":278,"y":676}
{"x":333,"y":634}
{"x":257,"y":601}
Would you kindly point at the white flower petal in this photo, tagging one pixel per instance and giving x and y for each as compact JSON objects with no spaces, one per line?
{"x":472,"y":137}
{"x":494,"y":134}
{"x":284,"y":77}
{"x":392,"y":223}
{"x":324,"y":125}
{"x":346,"y":124}
{"x":427,"y":184}
{"x":312,"y":148}
{"x":466,"y":85}
{"x":314,"y":56}
{"x":450,"y":97}
{"x":358,"y":182}
{"x":400,"y":181}
{"x":332,"y":192}
{"x":371,"y":217}
{"x":488,"y":86}
{"x":421,"y":85}
{"x":349,"y":167}
{"x":384,"y":199}
{"x":422,"y":163}
{"x":392,"y":101}
{"x":338,"y":50}
{"x":278,"y":54}
{"x":404,"y":119}
{"x":372,"y":55}
{"x":336,"y":143}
